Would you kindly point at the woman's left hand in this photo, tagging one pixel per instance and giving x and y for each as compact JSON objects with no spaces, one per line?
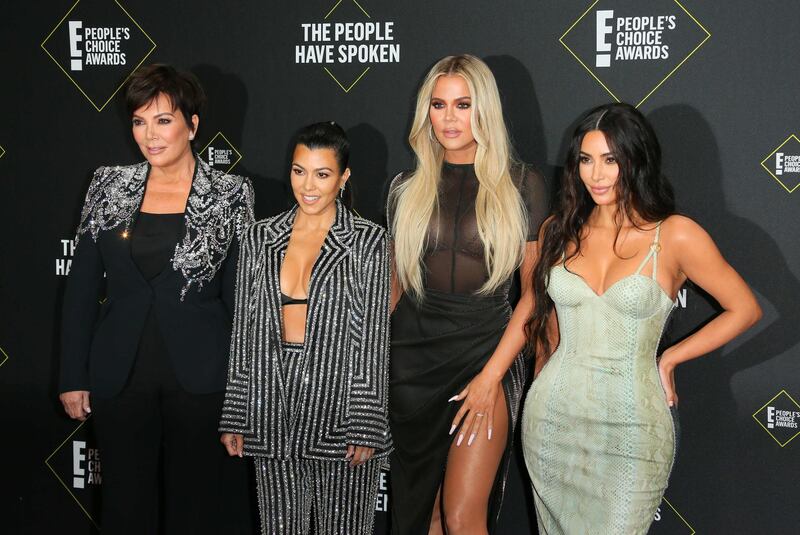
{"x":479,"y":396}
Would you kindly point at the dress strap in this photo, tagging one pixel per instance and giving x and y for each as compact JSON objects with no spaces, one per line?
{"x":655,"y":247}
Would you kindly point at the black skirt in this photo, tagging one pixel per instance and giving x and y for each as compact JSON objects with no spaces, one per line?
{"x":438,"y":346}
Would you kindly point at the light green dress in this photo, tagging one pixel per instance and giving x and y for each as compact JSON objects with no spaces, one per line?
{"x":598,"y":435}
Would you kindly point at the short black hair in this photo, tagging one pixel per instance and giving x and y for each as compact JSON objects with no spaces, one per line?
{"x":326,"y":135}
{"x":181,"y":88}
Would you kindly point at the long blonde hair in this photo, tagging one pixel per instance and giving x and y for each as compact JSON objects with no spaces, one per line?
{"x":502,"y":223}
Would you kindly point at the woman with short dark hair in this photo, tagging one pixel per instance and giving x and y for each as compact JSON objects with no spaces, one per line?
{"x":598,"y":428}
{"x":157,"y":246}
{"x":308,"y":379}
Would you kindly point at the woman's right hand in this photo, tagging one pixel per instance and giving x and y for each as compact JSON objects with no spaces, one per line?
{"x":76,"y":404}
{"x":234,"y":443}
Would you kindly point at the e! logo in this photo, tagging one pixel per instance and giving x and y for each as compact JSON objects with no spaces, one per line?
{"x":74,"y":38}
{"x":603,"y":29}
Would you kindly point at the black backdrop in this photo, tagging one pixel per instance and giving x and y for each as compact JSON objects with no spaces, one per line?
{"x":718,"y":80}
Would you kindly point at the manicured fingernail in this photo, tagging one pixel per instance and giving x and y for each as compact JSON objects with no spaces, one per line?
{"x":671,"y":403}
{"x":88,"y":409}
{"x":452,"y":429}
{"x":460,"y":438}
{"x":490,"y":433}
{"x":453,"y":398}
{"x":471,"y":439}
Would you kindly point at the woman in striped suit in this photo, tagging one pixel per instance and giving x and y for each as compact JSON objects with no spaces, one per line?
{"x":307,"y":385}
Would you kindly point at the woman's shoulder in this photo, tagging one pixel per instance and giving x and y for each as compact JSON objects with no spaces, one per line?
{"x":261,"y":229}
{"x":106,"y":174}
{"x":400,"y":178}
{"x":681,"y":229}
{"x":366,"y":229}
{"x":525,"y":175}
{"x":119,"y":182}
{"x":680,"y":225}
{"x":227,"y":183}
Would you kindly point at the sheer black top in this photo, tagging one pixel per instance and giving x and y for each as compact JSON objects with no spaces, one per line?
{"x":454,"y":255}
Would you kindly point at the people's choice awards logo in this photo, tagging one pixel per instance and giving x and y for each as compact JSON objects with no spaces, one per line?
{"x":780,"y":417}
{"x":97,"y":44}
{"x":346,"y":43}
{"x":221,"y":154}
{"x":76,"y":465}
{"x":632,"y":47}
{"x":783,"y":164}
{"x":668,"y":520}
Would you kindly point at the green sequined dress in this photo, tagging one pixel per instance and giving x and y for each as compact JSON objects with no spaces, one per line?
{"x":598,"y":435}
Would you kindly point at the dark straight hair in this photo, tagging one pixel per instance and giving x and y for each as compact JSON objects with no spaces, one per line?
{"x":328,"y":135}
{"x":644,"y":196}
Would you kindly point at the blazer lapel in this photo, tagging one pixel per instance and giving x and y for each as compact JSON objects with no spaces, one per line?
{"x":335,"y":249}
{"x":139,"y":185}
{"x":198,"y":193}
{"x":274,"y":251}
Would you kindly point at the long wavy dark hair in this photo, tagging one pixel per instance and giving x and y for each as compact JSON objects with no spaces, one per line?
{"x":644,"y":195}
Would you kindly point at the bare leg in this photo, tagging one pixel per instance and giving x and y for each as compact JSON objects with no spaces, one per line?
{"x":437,"y":528}
{"x":470,"y":475}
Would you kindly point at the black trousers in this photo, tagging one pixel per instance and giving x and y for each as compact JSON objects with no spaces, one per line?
{"x":164,"y":468}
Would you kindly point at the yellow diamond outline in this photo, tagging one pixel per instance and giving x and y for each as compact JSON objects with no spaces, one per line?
{"x":47,"y":463}
{"x":219,"y":133}
{"x":679,"y":515}
{"x":5,"y":355}
{"x":772,"y":154}
{"x":347,"y":90}
{"x":360,"y":76}
{"x":73,"y":80}
{"x":784,"y":392}
{"x":678,"y":66}
{"x":359,"y":6}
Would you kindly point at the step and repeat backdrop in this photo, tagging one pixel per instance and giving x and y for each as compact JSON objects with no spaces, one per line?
{"x":718,"y":80}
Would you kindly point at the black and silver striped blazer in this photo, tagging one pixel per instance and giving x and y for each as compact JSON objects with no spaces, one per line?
{"x":343,"y":399}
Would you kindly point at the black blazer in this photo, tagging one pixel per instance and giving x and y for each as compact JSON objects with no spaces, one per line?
{"x":192,"y":300}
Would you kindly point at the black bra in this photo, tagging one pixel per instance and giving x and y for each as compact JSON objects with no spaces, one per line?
{"x":286,"y":300}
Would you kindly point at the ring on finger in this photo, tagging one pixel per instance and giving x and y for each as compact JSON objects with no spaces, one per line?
{"x":478,"y":414}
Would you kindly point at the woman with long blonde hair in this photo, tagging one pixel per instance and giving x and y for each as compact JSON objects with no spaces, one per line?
{"x":462,"y":222}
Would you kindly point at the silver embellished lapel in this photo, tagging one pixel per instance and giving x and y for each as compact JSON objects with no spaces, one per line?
{"x":220,"y":206}
{"x":218,"y":209}
{"x":113,"y":199}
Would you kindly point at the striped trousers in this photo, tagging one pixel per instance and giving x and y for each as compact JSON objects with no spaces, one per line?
{"x":303,"y":496}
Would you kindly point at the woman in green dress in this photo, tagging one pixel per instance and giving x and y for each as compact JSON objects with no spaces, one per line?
{"x":598,"y":434}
